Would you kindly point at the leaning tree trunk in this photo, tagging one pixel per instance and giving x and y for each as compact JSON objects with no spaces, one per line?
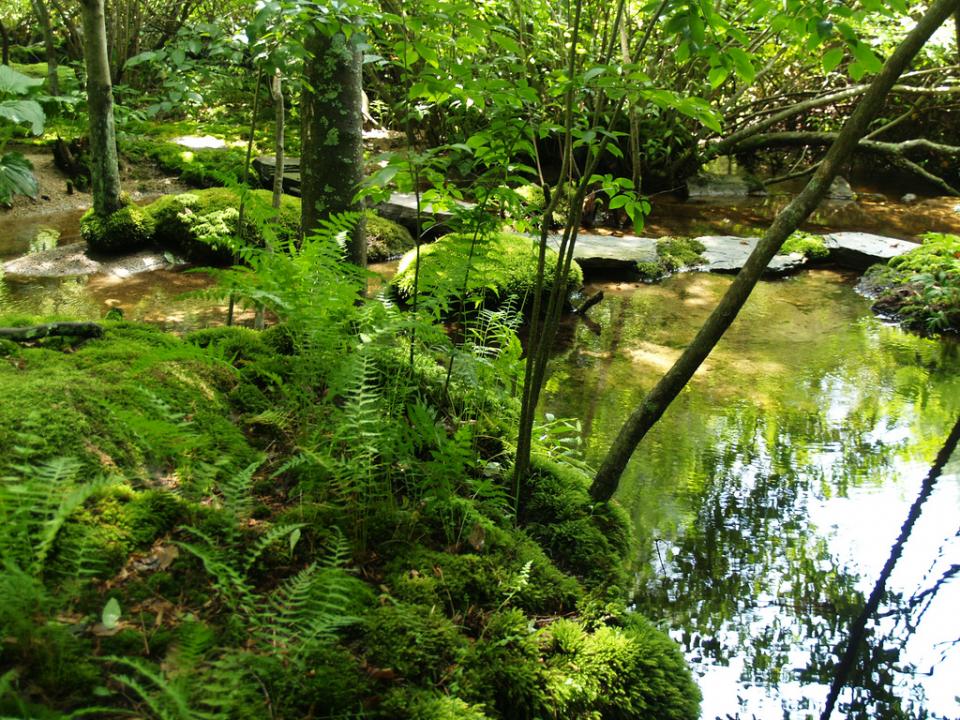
{"x":331,"y":155}
{"x":43,"y":17}
{"x":658,"y":400}
{"x":104,"y":168}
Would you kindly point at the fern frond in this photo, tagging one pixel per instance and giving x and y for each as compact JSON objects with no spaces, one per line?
{"x":264,"y":542}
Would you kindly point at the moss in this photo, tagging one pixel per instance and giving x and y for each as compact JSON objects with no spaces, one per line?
{"x":921,"y":287}
{"x":417,"y":704}
{"x":590,"y":540}
{"x":502,"y":266}
{"x":534,"y":203}
{"x":673,"y":254}
{"x":503,"y":668}
{"x":137,"y":399}
{"x":386,"y":239}
{"x":201,"y":168}
{"x":806,"y":244}
{"x":203,"y":225}
{"x":633,"y":671}
{"x":418,"y":642}
{"x":129,"y":228}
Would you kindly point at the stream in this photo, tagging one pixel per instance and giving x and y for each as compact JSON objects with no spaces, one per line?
{"x":767,"y":499}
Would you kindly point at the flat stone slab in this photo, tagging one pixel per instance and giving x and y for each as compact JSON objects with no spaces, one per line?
{"x":860,"y":250}
{"x":727,"y":254}
{"x":72,"y":259}
{"x":605,"y":253}
{"x":402,"y":208}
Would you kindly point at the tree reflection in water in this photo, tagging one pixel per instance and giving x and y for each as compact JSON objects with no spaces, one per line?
{"x":771,"y":493}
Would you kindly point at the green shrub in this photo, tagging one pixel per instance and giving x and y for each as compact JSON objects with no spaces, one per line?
{"x":806,"y":244}
{"x":129,"y":228}
{"x":386,"y":239}
{"x":502,"y":266}
{"x":922,"y":286}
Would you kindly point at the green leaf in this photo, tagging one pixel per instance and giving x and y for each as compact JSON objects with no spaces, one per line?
{"x":832,"y":58}
{"x":15,"y":83}
{"x":618,"y":201}
{"x":742,"y":64}
{"x":111,"y":614}
{"x":717,"y":75}
{"x":867,"y":58}
{"x":20,"y":111}
{"x":294,"y":539}
{"x":16,"y":177}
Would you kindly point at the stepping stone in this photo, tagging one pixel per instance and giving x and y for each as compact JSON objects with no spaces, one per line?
{"x":861,"y":250}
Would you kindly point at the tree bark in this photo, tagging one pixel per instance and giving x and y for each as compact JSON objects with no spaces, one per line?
{"x":4,"y":44}
{"x":670,"y":385}
{"x":331,"y":156}
{"x":276,"y":92}
{"x":50,"y":50}
{"x":104,"y":168}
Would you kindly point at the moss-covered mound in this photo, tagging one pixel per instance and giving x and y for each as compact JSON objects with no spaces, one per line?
{"x":129,"y":228}
{"x":673,"y":254}
{"x":138,"y":399}
{"x":922,"y":287}
{"x":365,"y":564}
{"x":203,"y":225}
{"x":491,"y":269}
{"x":386,"y":239}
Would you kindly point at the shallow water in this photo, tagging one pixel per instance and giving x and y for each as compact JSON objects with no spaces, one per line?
{"x":767,"y":499}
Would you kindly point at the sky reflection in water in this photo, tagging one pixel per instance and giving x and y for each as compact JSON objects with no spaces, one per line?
{"x":767,"y":500}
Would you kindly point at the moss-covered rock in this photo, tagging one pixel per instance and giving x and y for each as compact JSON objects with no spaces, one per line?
{"x":386,"y":239}
{"x":673,"y":254}
{"x":129,"y":228}
{"x":492,"y":269}
{"x":203,"y":225}
{"x":921,"y":287}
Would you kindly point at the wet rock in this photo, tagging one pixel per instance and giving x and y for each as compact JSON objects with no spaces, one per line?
{"x":72,"y":260}
{"x":402,"y":208}
{"x":711,"y":185}
{"x":611,"y":254}
{"x":861,"y":250}
{"x":727,"y":254}
{"x":840,"y":190}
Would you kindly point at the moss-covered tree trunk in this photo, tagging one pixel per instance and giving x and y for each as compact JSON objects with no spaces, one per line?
{"x":659,"y":398}
{"x":50,"y":50}
{"x":104,"y":168}
{"x":331,"y":155}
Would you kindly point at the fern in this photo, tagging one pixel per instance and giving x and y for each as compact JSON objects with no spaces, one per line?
{"x":35,"y":507}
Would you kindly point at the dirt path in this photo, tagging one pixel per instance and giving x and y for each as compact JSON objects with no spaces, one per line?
{"x":137,"y":181}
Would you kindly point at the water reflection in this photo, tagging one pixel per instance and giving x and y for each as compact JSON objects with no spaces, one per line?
{"x":770,"y":494}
